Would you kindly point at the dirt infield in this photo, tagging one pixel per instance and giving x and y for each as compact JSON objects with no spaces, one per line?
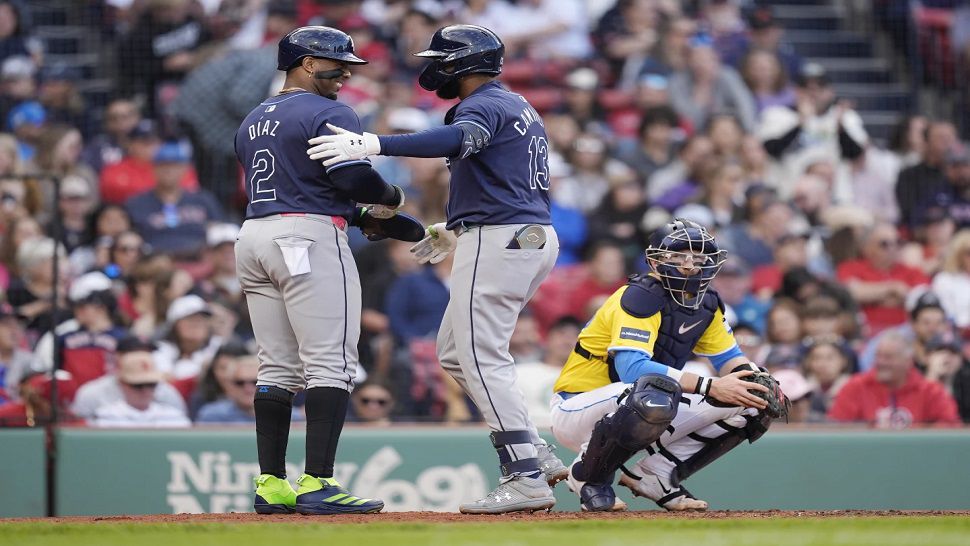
{"x":439,"y":517}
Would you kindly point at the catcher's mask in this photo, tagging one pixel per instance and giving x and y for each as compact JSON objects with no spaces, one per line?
{"x":686,"y":258}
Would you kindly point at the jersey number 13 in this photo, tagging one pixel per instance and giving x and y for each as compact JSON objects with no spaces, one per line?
{"x":539,"y":163}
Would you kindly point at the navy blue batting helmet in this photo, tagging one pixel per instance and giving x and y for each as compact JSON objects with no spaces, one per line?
{"x":458,"y":50}
{"x":686,"y":258}
{"x":318,"y":42}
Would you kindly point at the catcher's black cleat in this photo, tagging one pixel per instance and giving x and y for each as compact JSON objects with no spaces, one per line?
{"x":597,"y":498}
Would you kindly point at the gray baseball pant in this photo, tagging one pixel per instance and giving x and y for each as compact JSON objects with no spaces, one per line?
{"x":490,"y":285}
{"x":303,"y":293}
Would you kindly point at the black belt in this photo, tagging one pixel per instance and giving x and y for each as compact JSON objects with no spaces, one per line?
{"x":608,"y":360}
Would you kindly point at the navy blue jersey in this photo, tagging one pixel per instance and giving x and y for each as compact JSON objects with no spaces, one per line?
{"x":507,"y":181}
{"x":271,"y":145}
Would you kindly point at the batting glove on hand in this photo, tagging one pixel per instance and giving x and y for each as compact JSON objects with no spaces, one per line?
{"x":342,"y":145}
{"x":383,"y":212}
{"x":436,"y":246}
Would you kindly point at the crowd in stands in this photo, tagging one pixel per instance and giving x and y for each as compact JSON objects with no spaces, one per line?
{"x":849,"y":268}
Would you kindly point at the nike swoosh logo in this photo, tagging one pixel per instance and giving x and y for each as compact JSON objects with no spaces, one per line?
{"x":652,"y":405}
{"x":665,"y":490}
{"x":684,"y":328}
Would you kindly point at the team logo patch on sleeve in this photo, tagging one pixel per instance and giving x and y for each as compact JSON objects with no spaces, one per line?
{"x":634,"y":334}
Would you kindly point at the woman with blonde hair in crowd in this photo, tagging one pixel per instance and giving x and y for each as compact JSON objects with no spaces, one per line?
{"x":10,"y":163}
{"x":141,"y":302}
{"x":952,"y":284}
{"x":16,"y":231}
{"x":31,"y":292}
{"x":59,"y":150}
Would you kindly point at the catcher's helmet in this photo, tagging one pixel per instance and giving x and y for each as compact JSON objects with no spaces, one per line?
{"x":319,"y":42}
{"x":458,"y":50}
{"x":685,"y":257}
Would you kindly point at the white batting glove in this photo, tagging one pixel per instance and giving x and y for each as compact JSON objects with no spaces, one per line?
{"x":342,"y":145}
{"x":383,"y":212}
{"x":436,"y":246}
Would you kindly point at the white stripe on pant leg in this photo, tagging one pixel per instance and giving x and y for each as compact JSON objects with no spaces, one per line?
{"x":573,"y":420}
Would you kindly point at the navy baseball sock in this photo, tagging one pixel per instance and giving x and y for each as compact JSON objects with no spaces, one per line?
{"x":273,"y":407}
{"x":326,"y":409}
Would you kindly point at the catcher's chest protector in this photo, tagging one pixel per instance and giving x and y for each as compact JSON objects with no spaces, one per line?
{"x":680,"y":328}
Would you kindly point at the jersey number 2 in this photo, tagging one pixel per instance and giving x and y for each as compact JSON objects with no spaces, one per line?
{"x":539,"y":163}
{"x":264,"y":165}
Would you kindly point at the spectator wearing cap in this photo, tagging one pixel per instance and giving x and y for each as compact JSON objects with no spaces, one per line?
{"x":707,"y":87}
{"x":237,"y":406}
{"x":952,"y":284}
{"x":135,"y":173}
{"x":107,"y":147}
{"x":25,"y":121}
{"x":59,"y":94}
{"x":893,"y":394}
{"x":138,"y":378}
{"x":878,"y":281}
{"x":171,"y":219}
{"x":74,"y":207}
{"x":190,"y":344}
{"x":920,"y":183}
{"x":220,"y":257}
{"x":581,"y":101}
{"x":733,"y":284}
{"x":107,"y":389}
{"x":817,"y":125}
{"x":87,"y":349}
{"x":15,"y":363}
{"x":18,"y":82}
{"x":653,"y":148}
{"x":946,"y":365}
{"x":827,"y":364}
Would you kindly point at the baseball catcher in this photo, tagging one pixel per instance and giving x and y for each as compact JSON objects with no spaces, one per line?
{"x":623,"y":392}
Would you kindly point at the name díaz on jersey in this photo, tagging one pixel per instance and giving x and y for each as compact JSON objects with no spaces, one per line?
{"x":263,"y":128}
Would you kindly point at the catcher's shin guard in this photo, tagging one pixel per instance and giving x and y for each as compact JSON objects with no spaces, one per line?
{"x":644,"y":414}
{"x":715,"y":448}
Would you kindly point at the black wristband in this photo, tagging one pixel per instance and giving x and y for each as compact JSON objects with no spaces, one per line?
{"x":707,"y":387}
{"x":699,"y":385}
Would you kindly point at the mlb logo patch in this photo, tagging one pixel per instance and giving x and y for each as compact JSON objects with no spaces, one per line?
{"x":634,"y":334}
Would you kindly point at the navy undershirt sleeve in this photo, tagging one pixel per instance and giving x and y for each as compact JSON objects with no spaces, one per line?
{"x":363,"y":184}
{"x":444,"y":141}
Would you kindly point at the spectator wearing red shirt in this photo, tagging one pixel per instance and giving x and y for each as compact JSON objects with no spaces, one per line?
{"x":893,"y":394}
{"x":135,"y":173}
{"x":878,"y":281}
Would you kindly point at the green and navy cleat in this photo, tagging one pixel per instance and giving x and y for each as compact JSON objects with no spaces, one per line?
{"x":273,"y":495}
{"x":327,"y":496}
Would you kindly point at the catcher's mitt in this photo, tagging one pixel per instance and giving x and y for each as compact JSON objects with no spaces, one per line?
{"x":778,"y":403}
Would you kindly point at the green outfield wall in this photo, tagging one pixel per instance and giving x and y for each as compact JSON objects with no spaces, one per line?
{"x":211,"y":470}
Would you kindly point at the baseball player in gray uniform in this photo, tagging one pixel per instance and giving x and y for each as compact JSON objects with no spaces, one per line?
{"x":500,"y":230}
{"x":297,"y":271}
